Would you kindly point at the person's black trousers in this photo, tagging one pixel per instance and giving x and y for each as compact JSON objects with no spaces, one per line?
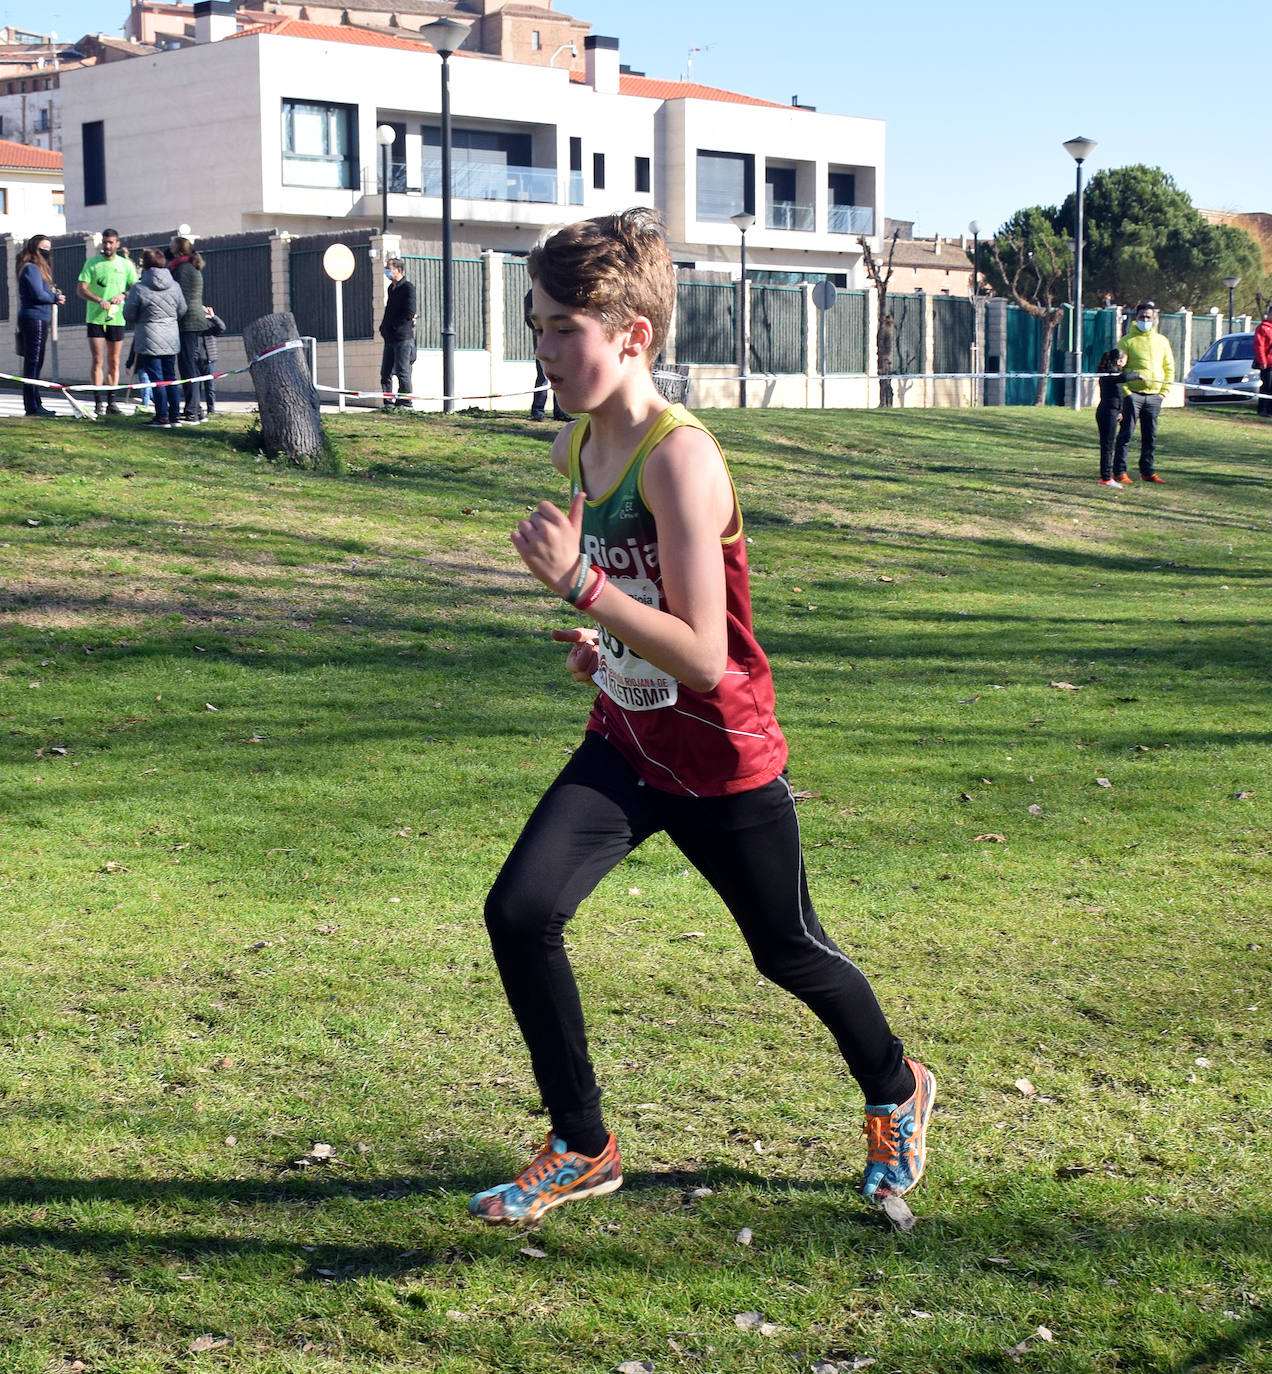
{"x":1141,"y":410}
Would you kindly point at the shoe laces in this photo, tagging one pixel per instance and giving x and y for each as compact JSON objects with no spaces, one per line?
{"x":539,"y":1168}
{"x":882,"y":1139}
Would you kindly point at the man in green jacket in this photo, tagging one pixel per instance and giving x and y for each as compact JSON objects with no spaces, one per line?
{"x":1149,"y":355}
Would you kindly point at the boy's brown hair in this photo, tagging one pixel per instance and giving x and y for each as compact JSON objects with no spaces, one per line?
{"x":614,"y":267}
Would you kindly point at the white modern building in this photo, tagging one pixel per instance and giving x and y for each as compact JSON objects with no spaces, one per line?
{"x":30,"y":191}
{"x":275,"y":127}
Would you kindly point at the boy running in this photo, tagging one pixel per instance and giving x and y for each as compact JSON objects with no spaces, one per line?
{"x":682,"y":736}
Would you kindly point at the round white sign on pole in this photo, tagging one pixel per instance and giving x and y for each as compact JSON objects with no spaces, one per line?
{"x":337,"y":262}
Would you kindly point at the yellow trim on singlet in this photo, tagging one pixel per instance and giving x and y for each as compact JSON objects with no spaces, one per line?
{"x":674,"y":417}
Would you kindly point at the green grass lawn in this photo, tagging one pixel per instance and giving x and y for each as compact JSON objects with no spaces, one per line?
{"x":268,"y":735}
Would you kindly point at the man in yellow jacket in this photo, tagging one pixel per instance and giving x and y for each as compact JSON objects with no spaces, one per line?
{"x":1149,"y":355}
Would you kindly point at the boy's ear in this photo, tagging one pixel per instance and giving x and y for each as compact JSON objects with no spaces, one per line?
{"x":639,"y":336}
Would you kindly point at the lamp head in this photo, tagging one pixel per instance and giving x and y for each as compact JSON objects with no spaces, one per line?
{"x":446,"y":35}
{"x":1079,"y":149}
{"x":742,"y":221}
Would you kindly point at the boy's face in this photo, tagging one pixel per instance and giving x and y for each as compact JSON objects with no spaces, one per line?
{"x":583,"y":362}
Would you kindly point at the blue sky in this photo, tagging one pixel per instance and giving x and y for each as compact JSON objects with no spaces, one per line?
{"x":977,"y":99}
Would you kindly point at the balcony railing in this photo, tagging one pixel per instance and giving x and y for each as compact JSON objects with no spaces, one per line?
{"x":785,"y":214}
{"x":852,"y":219}
{"x":498,"y":181}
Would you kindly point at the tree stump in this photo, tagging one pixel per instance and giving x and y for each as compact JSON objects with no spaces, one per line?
{"x":291,"y":423}
{"x":671,"y":380}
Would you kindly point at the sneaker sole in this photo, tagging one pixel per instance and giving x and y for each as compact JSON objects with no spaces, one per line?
{"x":533,"y":1214}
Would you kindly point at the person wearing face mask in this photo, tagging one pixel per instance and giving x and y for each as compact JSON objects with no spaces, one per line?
{"x":1149,"y":354}
{"x":397,"y":329}
{"x":36,"y":298}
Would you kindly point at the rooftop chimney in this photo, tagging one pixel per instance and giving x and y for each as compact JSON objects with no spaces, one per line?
{"x":213,"y":20}
{"x":601,"y":57}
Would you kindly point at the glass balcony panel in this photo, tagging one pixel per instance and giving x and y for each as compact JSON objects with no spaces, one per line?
{"x":785,"y":214}
{"x":472,"y":180}
{"x":852,"y":219}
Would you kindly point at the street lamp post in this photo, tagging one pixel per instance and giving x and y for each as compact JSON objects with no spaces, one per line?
{"x":1079,"y":149}
{"x":446,"y":35}
{"x":1231,"y":283}
{"x":385,"y":136}
{"x":742,"y":221}
{"x":974,"y":230}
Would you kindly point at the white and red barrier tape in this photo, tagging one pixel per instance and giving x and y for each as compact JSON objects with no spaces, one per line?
{"x":899,"y":378}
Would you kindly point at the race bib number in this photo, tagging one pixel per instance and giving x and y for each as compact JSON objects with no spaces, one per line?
{"x":624,"y":677}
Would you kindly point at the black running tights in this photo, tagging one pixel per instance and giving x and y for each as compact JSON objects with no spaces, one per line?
{"x":747,"y":847}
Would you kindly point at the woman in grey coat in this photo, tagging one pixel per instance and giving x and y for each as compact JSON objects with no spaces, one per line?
{"x":155,"y":306}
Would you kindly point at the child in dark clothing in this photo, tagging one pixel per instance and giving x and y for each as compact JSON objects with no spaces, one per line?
{"x":208,"y":355}
{"x":1108,"y":413}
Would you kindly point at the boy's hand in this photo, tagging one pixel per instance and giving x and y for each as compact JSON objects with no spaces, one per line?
{"x":581,"y":660}
{"x":548,"y":542}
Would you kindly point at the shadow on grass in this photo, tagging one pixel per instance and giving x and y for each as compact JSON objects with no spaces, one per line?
{"x":1017,"y":1256}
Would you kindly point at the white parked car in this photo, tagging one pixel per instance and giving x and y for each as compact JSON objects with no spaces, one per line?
{"x":1228,"y":366}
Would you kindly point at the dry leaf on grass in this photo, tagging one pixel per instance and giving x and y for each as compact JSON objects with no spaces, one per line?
{"x":1025,"y":1088}
{"x":209,"y":1342}
{"x":897,"y":1210}
{"x":532,"y":1252}
{"x":1065,"y":686}
{"x":635,"y":1367}
{"x":743,"y":1237}
{"x":991,"y":838}
{"x":1035,"y":810}
{"x":754,"y":1321}
{"x":1103,"y":782}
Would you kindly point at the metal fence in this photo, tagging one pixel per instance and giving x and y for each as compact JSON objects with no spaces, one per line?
{"x":1173,"y":327}
{"x":706,"y":322}
{"x":848,"y":342}
{"x":311,"y":293}
{"x":518,"y":340}
{"x":778,"y":336}
{"x":953,"y":334}
{"x":4,"y":277}
{"x":469,"y":302}
{"x":69,"y":257}
{"x":907,"y":348}
{"x":237,"y":282}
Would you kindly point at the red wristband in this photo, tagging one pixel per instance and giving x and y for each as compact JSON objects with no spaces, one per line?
{"x":589,"y":597}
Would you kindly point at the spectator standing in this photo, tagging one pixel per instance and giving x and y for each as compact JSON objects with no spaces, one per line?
{"x":186,"y":267}
{"x":1148,"y":353}
{"x":37,"y":296}
{"x":155,"y":306}
{"x":1263,"y":361}
{"x":397,"y":329}
{"x":209,"y":354}
{"x":103,"y":283}
{"x":539,"y":403}
{"x":1113,"y":373}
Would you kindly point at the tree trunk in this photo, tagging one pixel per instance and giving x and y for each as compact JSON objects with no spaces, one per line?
{"x":291,"y":424}
{"x":1050,"y":320}
{"x":885,"y":349}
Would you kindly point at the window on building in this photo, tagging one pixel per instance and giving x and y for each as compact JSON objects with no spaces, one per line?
{"x":842,"y":187}
{"x":642,"y":174}
{"x":1,"y":126}
{"x":319,"y":144}
{"x":59,"y":202}
{"x":726,"y":185}
{"x":598,"y":171}
{"x":4,"y":200}
{"x":576,"y":155}
{"x":42,"y":125}
{"x":93,"y":150}
{"x":535,"y":41}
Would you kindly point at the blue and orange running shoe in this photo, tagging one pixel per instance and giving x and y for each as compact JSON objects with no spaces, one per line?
{"x":556,"y":1175}
{"x":896,"y":1139}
